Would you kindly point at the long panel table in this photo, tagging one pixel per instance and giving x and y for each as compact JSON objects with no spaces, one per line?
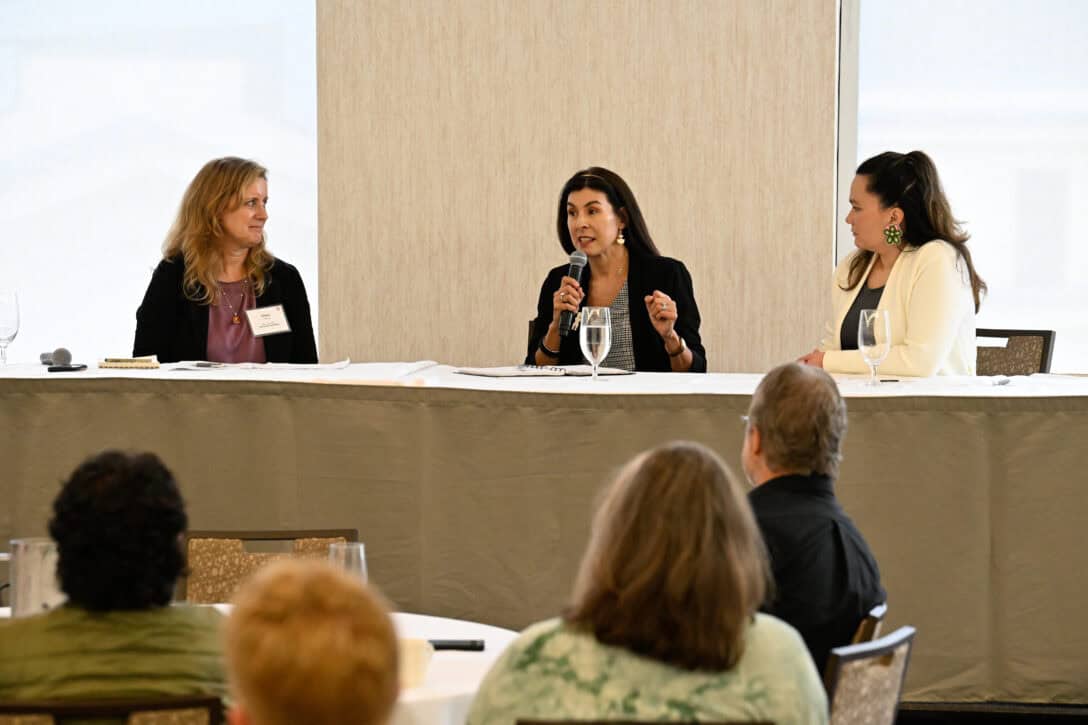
{"x":474,"y":495}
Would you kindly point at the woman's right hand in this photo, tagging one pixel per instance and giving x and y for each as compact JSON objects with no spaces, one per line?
{"x":567,"y":297}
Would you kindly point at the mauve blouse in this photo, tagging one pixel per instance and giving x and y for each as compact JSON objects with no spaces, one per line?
{"x":229,"y":342}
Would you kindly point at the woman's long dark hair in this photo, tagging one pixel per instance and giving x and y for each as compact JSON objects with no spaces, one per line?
{"x":910,"y":182}
{"x":623,"y":202}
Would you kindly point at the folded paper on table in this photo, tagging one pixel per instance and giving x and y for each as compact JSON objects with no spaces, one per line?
{"x":540,"y":371}
{"x":205,"y":365}
{"x":415,"y":658}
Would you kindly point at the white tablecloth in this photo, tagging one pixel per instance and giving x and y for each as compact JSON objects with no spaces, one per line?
{"x":445,"y":696}
{"x":427,"y":373}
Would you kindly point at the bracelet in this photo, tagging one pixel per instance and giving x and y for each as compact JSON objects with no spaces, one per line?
{"x":678,"y":353}
{"x":547,"y":350}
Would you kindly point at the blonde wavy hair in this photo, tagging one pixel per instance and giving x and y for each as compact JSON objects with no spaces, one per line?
{"x":217,"y":188}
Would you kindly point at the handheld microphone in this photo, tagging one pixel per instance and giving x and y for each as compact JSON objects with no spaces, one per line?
{"x":61,"y":362}
{"x":60,"y":356}
{"x":577,"y":264}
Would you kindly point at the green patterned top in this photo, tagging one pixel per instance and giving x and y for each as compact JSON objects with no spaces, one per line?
{"x":553,"y":671}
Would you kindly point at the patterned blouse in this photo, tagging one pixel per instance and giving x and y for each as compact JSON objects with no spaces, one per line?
{"x":553,"y":671}
{"x":622,"y":353}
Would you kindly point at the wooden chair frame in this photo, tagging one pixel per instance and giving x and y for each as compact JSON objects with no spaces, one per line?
{"x":869,"y":628}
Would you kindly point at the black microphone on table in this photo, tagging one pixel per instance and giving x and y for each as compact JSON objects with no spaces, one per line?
{"x":60,"y":361}
{"x":577,"y":264}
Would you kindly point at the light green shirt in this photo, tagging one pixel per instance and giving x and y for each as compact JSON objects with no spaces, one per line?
{"x":554,"y":671}
{"x":70,"y":653}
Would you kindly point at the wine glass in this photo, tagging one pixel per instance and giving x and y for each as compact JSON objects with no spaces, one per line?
{"x":9,"y":322}
{"x":595,"y":335}
{"x":874,"y":339}
{"x":349,"y":556}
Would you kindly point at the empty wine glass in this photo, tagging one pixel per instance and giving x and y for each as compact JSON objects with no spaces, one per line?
{"x":9,"y":322}
{"x":595,"y":335}
{"x":874,"y":339}
{"x":349,"y":556}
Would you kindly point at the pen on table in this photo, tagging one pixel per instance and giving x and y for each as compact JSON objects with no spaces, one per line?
{"x":889,"y":380}
{"x":468,"y":645}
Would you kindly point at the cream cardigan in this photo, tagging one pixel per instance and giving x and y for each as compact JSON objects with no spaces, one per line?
{"x":928,"y":294}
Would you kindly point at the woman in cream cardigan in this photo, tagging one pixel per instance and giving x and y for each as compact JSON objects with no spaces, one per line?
{"x":912,"y":260}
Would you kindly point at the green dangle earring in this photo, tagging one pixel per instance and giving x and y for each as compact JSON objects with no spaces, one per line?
{"x":893,"y":235}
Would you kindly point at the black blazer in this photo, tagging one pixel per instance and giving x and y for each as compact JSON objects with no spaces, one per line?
{"x":176,"y":328}
{"x":826,"y":578}
{"x":644,"y":275}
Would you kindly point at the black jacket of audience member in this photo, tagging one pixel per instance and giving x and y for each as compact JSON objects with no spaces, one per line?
{"x":645,"y":274}
{"x":826,"y":579}
{"x":176,"y":328}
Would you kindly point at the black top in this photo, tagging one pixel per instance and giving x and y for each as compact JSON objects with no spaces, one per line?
{"x":867,"y":299}
{"x":176,"y":328}
{"x":644,"y":275}
{"x":826,"y":579}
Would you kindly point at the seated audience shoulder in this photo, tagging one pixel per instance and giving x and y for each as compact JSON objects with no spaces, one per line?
{"x":554,"y":671}
{"x":117,"y":523}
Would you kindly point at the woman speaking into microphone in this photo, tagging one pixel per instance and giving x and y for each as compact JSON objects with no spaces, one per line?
{"x":655,"y":321}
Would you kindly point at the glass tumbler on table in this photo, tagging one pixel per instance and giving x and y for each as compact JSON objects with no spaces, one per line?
{"x":9,"y":322}
{"x":349,"y":556}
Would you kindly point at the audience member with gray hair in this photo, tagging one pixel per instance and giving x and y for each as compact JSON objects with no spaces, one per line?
{"x":826,"y":578}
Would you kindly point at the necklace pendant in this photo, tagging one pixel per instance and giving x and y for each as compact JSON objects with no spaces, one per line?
{"x":236,"y":320}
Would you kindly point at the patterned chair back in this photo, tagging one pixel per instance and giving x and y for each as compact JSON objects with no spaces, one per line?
{"x":173,"y":710}
{"x":1025,"y":352}
{"x":218,"y":561}
{"x":864,"y":681}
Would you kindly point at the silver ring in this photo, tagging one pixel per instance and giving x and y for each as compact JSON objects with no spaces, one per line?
{"x":664,"y":306}
{"x":563,"y":296}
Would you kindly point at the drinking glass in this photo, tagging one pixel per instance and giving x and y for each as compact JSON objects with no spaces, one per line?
{"x":349,"y":556}
{"x":9,"y":322}
{"x":595,"y":335}
{"x":874,"y":339}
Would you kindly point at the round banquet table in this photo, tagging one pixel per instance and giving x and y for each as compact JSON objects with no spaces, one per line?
{"x":453,"y":676}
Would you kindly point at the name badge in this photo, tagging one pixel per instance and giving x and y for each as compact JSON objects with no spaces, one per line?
{"x":268,"y":321}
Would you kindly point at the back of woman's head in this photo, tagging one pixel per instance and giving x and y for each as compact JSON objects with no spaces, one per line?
{"x":116,"y":522}
{"x":675,"y":567}
{"x":623,"y":202}
{"x":910,"y":181}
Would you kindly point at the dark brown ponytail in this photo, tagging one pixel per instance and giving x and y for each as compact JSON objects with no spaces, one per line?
{"x":910,"y":182}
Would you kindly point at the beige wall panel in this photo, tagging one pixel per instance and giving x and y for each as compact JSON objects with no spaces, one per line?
{"x":446,"y":130}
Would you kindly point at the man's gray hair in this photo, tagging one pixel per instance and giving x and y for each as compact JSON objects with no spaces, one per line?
{"x":801,"y":419}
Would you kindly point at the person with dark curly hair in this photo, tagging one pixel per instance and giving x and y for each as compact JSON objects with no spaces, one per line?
{"x":117,"y":522}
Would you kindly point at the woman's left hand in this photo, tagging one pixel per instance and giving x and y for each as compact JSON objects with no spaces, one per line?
{"x":814,"y":358}
{"x":662,"y":311}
